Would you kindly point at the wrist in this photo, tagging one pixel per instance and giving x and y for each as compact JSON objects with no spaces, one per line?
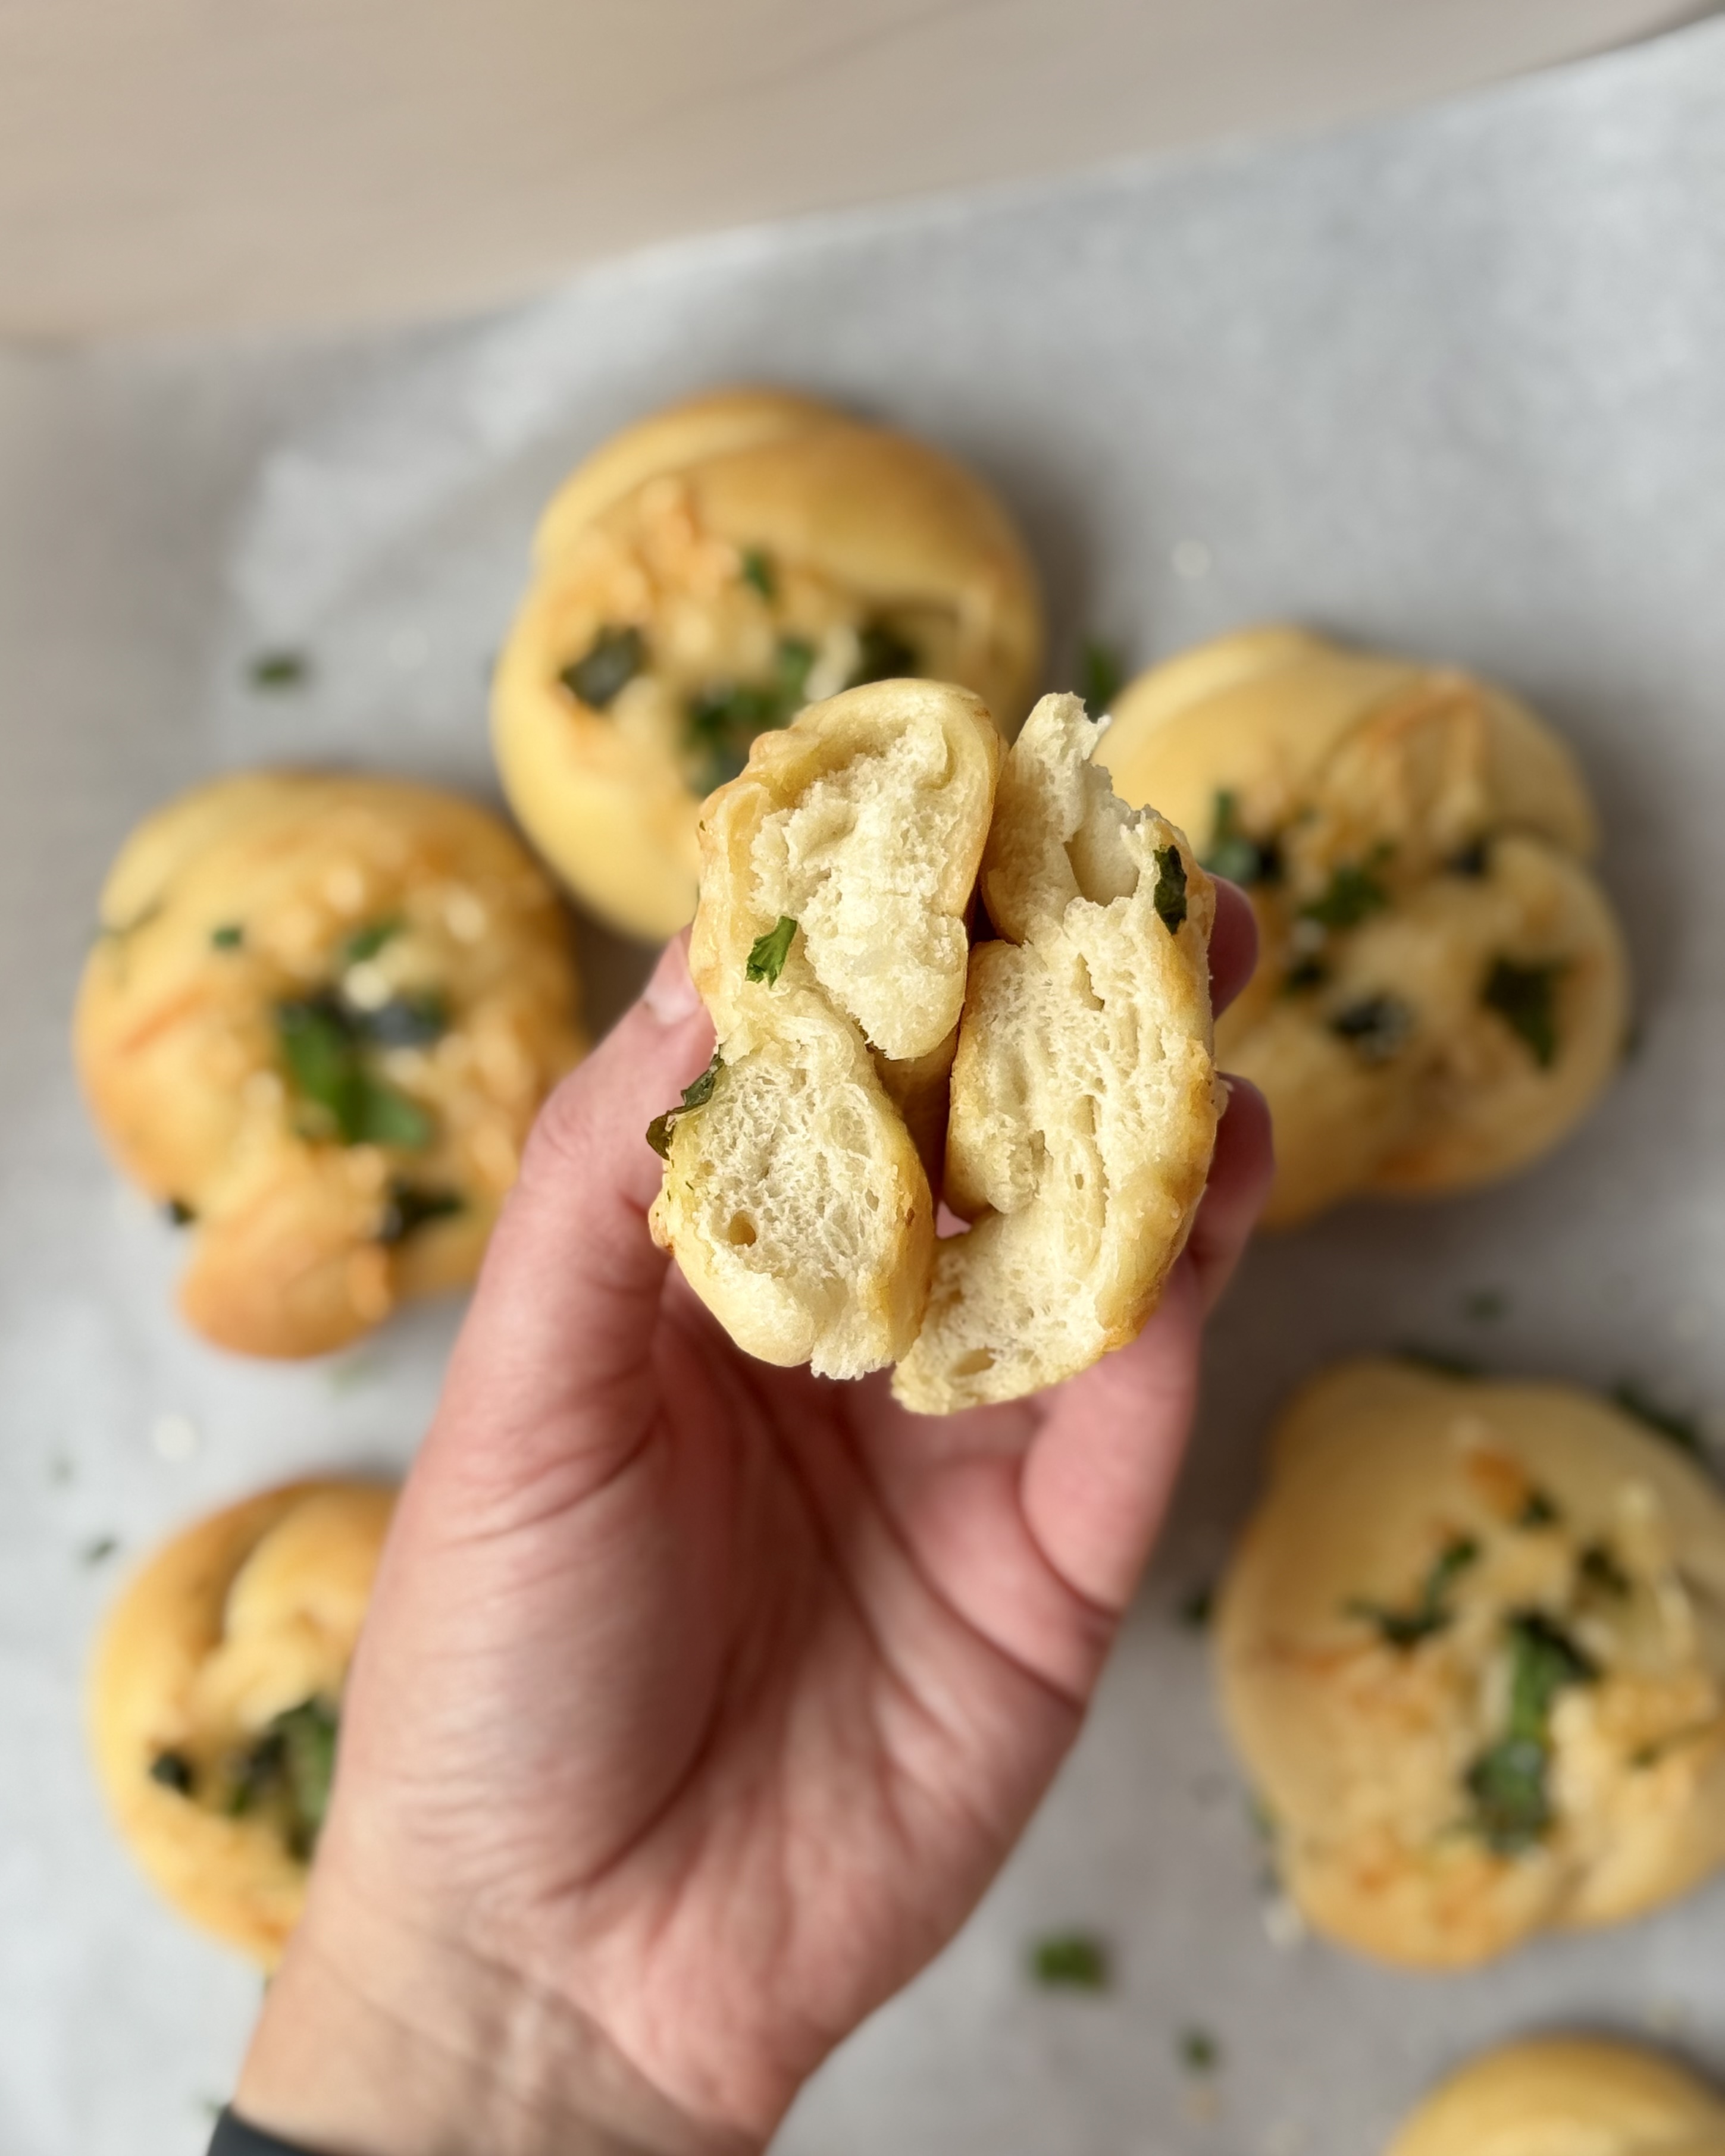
{"x":371,"y":2045}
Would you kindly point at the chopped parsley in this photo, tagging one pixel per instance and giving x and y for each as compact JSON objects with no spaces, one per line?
{"x":1170,"y":898}
{"x":179,"y":1214}
{"x":1474,"y":859}
{"x":882,"y":655}
{"x":1538,"y":1510}
{"x":767,"y":953}
{"x":1526,"y":998}
{"x":228,"y":937}
{"x":725,"y":717}
{"x":324,"y":1044}
{"x":1199,"y":2051}
{"x":756,"y":571}
{"x":1301,"y":979}
{"x":1353,"y":894}
{"x":662,"y":1128}
{"x":1599,"y":1569}
{"x":1233,"y":852}
{"x":367,"y":942}
{"x":1072,"y":1961}
{"x":172,"y":1770}
{"x":410,"y":1206}
{"x":1511,"y":1804}
{"x":606,"y":668}
{"x":1430,"y":1612}
{"x":289,"y":1770}
{"x":1099,"y":675}
{"x":99,"y":1551}
{"x":280,"y":669}
{"x":1684,"y":1431}
{"x":1374,"y":1027}
{"x":414,"y":1019}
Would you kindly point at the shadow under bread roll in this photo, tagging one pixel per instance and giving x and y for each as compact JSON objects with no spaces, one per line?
{"x":320,"y":1015}
{"x":1442,"y":989}
{"x":1566,"y":2096}
{"x":215,"y":1701}
{"x":700,"y":579}
{"x":1472,"y":1650}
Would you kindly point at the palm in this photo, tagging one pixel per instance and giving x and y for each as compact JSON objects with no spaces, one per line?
{"x":684,"y":1665}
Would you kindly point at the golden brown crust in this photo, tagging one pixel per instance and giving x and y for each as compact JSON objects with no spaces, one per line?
{"x":1084,"y":1101}
{"x":1566,"y":2096}
{"x":242,"y":897}
{"x":794,"y":1199}
{"x":1470,"y":1509}
{"x":726,"y":531}
{"x":237,"y":1620}
{"x":1442,"y":989}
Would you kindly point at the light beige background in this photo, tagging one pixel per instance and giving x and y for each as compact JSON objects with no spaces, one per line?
{"x":168,"y":164}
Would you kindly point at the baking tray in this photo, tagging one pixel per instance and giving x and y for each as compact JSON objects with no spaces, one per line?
{"x":1449,"y":382}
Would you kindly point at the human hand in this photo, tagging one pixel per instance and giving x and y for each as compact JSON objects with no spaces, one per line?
{"x":699,"y":1700}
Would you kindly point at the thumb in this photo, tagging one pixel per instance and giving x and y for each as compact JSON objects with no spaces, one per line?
{"x":557,"y":1345}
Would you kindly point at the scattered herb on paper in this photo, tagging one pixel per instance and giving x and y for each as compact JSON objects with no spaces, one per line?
{"x":1072,"y":1961}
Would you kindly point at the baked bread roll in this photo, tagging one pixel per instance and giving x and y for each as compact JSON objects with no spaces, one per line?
{"x":1442,"y":991}
{"x":1084,"y":1095}
{"x":1472,"y":1651}
{"x":319,"y":1018}
{"x":1566,"y":2096}
{"x":830,"y":948}
{"x":216,"y":1697}
{"x":701,"y":578}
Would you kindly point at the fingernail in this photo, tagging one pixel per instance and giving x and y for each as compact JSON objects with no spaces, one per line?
{"x":670,"y":994}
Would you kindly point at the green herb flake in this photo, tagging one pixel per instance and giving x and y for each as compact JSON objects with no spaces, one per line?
{"x":661,"y":1129}
{"x":324,"y":1050}
{"x":228,"y":937}
{"x":1538,"y":1511}
{"x":1199,"y":1606}
{"x":280,"y":669}
{"x":767,"y":953}
{"x":882,"y":655}
{"x":172,"y":1770}
{"x":99,"y":1551}
{"x":1374,"y":1027}
{"x":409,"y":1207}
{"x":1526,"y":998}
{"x":179,"y":1214}
{"x":1302,"y":978}
{"x":1353,"y":893}
{"x":1511,"y":1804}
{"x":1101,"y":674}
{"x":1233,"y":852}
{"x":606,"y":668}
{"x":1170,"y":898}
{"x":367,"y":943}
{"x":724,"y":718}
{"x":1684,"y":1431}
{"x":757,"y":571}
{"x":414,"y":1019}
{"x":1430,"y":1612}
{"x":1599,"y":1569}
{"x":308,"y":1735}
{"x":1199,"y":2051}
{"x":1072,"y":1961}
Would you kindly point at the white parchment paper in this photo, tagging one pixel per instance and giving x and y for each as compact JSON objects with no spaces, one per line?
{"x":1453,"y":383}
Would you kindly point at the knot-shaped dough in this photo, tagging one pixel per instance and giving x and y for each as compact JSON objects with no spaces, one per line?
{"x":216,"y":1701}
{"x":1084,"y":1097}
{"x":1566,"y":2096}
{"x":1472,"y":1649}
{"x":830,"y":948}
{"x":701,"y":578}
{"x":1441,"y":991}
{"x":318,"y":1021}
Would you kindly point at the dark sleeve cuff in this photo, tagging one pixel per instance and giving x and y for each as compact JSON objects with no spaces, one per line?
{"x":232,"y":2137}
